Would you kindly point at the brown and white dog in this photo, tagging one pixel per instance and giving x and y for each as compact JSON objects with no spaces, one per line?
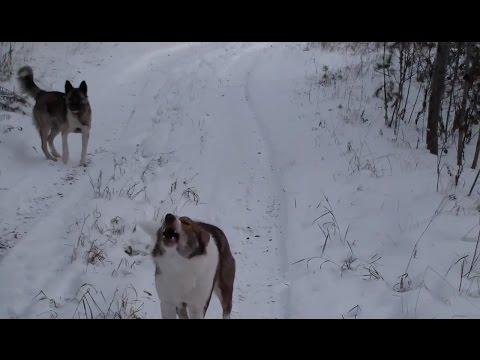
{"x":189,"y":266}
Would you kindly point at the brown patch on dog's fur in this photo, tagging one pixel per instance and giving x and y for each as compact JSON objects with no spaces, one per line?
{"x":198,"y":238}
{"x":199,"y":234}
{"x":226,"y":267}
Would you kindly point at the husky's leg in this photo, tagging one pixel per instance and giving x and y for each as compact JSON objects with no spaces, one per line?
{"x":85,"y":136}
{"x":65,"y":154}
{"x":43,"y":130}
{"x":53,"y":133}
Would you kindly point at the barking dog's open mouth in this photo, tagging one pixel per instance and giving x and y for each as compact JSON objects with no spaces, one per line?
{"x":170,"y":237}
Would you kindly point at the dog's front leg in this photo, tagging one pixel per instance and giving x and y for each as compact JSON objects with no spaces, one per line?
{"x":169,"y":310}
{"x":65,"y":154}
{"x":182,"y":311}
{"x":85,"y":136}
{"x":197,"y":312}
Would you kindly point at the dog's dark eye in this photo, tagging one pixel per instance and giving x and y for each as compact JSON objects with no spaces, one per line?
{"x":170,"y":233}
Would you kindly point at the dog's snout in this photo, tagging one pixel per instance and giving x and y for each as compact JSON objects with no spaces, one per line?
{"x":169,"y":219}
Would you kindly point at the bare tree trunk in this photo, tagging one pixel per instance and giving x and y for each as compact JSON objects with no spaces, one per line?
{"x":452,"y":92}
{"x":385,"y":84}
{"x":474,"y":182}
{"x":409,"y":64}
{"x":460,"y":120}
{"x":462,"y":114}
{"x":435,"y":102}
{"x":477,"y":151}
{"x":398,"y":102}
{"x":476,"y":116}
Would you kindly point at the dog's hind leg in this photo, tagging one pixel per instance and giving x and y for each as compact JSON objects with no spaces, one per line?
{"x":54,"y":132}
{"x":43,"y":130}
{"x":225,"y":298}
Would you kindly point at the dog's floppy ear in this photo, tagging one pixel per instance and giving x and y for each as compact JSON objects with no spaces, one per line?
{"x":203,"y":236}
{"x":150,"y":228}
{"x":68,"y":87}
{"x":83,"y":87}
{"x":186,"y":220}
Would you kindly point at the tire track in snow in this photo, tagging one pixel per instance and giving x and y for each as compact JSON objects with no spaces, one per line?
{"x":279,"y":200}
{"x":256,"y":172}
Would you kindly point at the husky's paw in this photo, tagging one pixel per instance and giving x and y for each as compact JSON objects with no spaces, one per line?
{"x":83,"y":163}
{"x":52,"y":158}
{"x":55,"y":154}
{"x":64,"y":159}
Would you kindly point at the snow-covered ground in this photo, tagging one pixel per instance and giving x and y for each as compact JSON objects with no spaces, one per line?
{"x":322,"y":204}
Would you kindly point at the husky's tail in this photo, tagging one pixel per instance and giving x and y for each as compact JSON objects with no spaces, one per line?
{"x":25,"y":78}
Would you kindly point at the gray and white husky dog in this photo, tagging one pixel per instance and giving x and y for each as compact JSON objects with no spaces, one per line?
{"x":56,"y":112}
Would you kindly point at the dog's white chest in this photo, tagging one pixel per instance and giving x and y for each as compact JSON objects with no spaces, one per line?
{"x":186,"y":280}
{"x":73,"y":122}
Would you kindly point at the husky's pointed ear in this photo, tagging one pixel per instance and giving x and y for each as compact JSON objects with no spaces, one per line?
{"x":68,"y":87}
{"x":83,"y":87}
{"x":150,"y":228}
